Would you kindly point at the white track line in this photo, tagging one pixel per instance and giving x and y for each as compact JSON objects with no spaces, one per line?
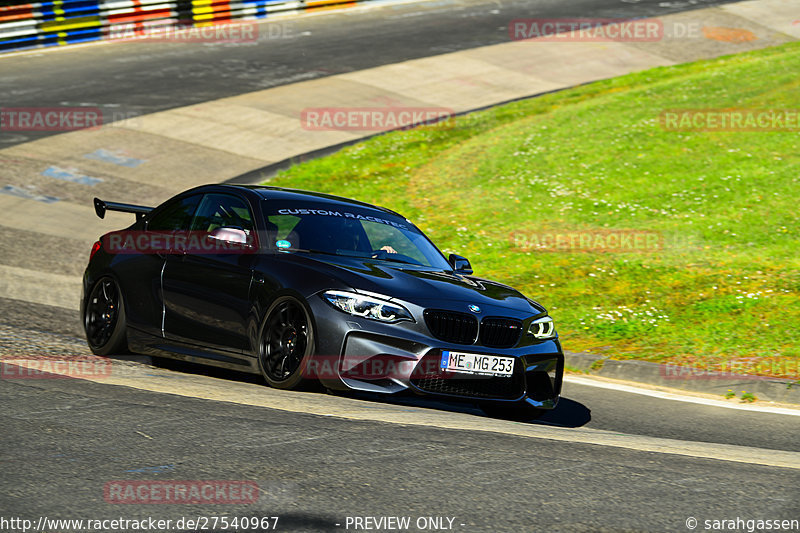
{"x":216,"y":389}
{"x":589,"y":382}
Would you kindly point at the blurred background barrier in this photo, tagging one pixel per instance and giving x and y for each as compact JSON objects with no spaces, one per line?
{"x":60,"y":22}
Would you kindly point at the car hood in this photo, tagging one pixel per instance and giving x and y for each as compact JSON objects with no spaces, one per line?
{"x":427,"y":287}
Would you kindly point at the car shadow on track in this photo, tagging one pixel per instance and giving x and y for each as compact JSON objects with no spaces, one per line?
{"x":568,"y":413}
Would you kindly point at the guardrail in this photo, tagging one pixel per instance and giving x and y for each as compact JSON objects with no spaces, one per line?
{"x":61,"y":22}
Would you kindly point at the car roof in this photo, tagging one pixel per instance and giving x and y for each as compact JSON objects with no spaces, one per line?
{"x":279,"y":193}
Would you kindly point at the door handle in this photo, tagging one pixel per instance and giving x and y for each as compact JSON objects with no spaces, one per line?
{"x":181,"y":254}
{"x":164,"y":255}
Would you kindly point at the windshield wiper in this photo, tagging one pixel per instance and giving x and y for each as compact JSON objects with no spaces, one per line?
{"x":311,"y":251}
{"x":360,"y":255}
{"x":395,"y":260}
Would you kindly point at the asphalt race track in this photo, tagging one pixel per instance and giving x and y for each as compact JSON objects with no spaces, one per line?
{"x":65,"y":439}
{"x":123,"y":77}
{"x":604,"y":460}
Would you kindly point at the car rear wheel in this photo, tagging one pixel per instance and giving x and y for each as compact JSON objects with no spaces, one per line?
{"x":104,"y":318}
{"x":287,"y":343}
{"x":520,"y":411}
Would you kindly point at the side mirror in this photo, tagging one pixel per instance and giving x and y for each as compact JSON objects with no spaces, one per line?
{"x":460,"y":264}
{"x":229,"y":234}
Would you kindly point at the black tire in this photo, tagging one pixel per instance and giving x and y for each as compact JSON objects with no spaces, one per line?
{"x":286,"y":344}
{"x":520,"y":411}
{"x":104,"y":318}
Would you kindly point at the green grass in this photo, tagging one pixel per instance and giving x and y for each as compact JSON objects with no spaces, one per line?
{"x":725,"y":284}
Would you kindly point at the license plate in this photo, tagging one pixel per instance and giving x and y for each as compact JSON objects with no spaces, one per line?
{"x":478,"y":364}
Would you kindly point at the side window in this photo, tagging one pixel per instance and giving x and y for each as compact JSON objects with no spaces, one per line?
{"x":282,"y":228}
{"x":176,"y":215}
{"x":283,"y":224}
{"x":222,"y":210}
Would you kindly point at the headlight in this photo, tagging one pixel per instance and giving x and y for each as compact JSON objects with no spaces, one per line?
{"x":367,"y":306}
{"x":542,"y":328}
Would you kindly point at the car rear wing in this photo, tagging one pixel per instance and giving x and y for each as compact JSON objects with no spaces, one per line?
{"x":100,"y":207}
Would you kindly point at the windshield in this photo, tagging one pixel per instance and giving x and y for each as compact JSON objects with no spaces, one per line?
{"x":349,"y":232}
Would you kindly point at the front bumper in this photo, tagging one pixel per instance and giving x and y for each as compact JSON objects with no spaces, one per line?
{"x":366,"y":355}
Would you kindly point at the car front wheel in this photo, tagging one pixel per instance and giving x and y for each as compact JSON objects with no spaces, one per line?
{"x":287,"y":344}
